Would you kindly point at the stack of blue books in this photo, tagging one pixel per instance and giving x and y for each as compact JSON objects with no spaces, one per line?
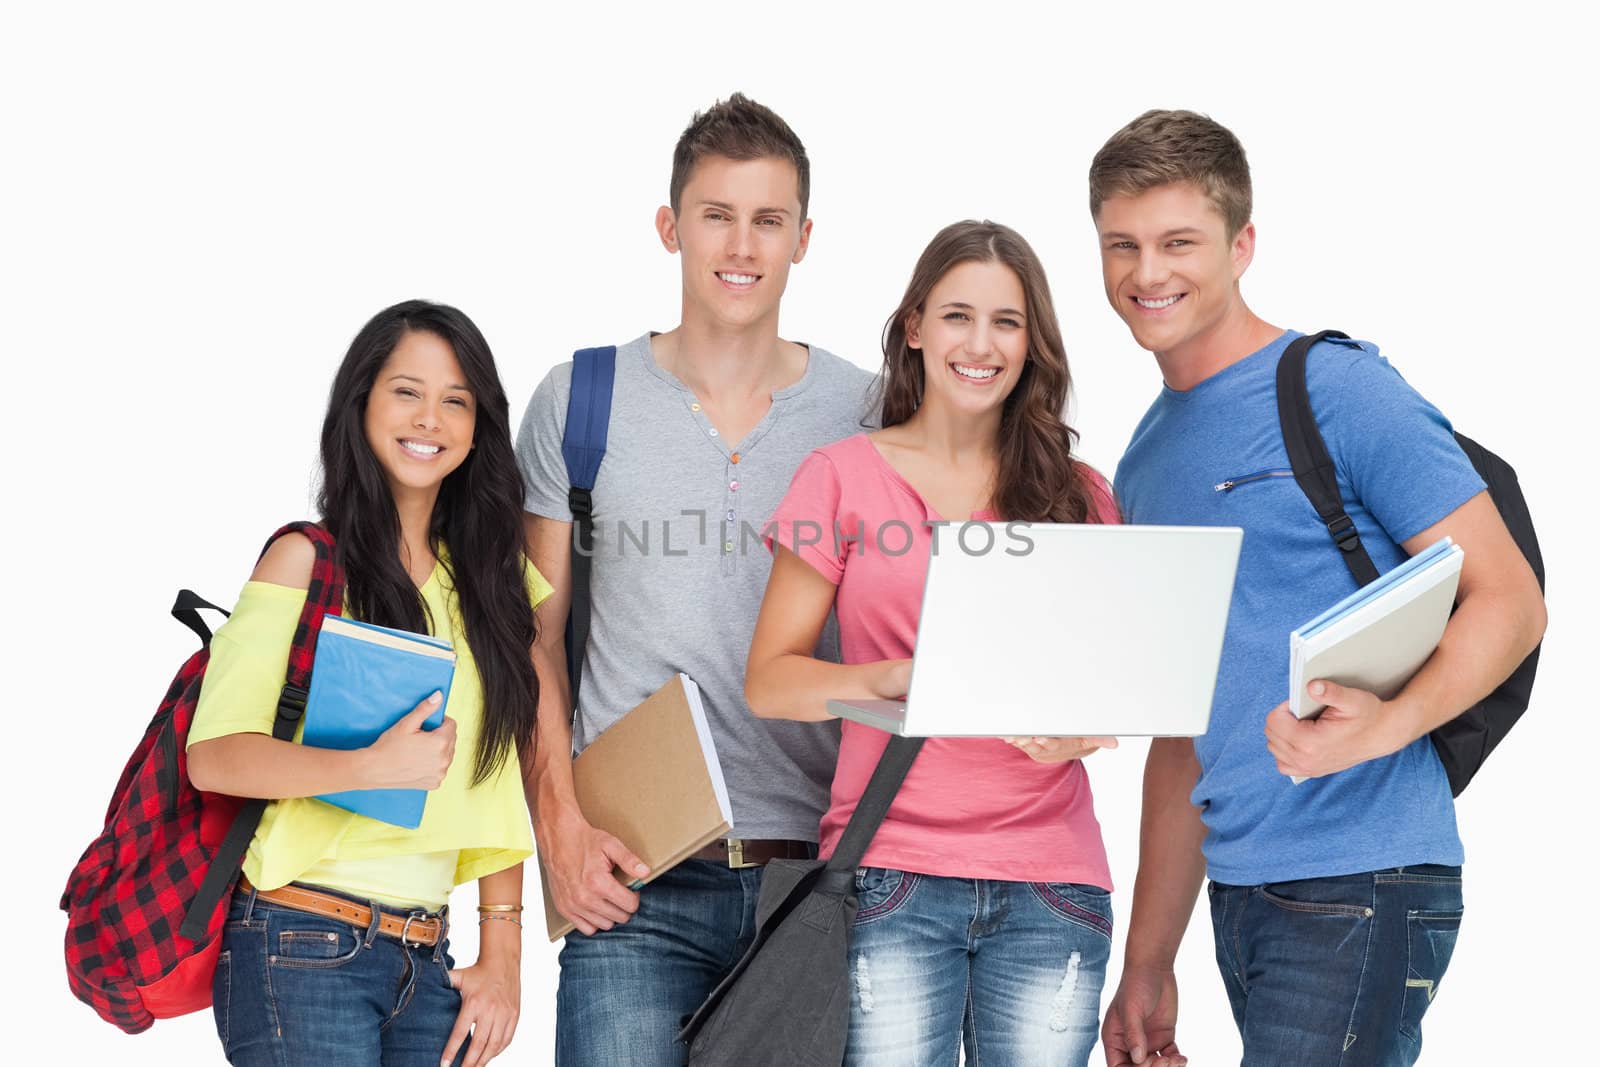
{"x":364,"y":679}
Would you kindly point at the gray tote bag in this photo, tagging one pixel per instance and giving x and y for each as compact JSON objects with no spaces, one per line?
{"x":787,"y":1000}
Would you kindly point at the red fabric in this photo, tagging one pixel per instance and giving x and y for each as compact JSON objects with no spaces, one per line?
{"x":132,"y":888}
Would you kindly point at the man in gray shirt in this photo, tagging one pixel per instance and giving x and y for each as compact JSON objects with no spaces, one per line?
{"x":708,"y":423}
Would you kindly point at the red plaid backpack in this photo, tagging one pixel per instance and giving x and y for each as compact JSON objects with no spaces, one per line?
{"x":146,"y":903}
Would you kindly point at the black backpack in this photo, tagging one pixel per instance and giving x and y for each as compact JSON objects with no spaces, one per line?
{"x":1464,"y":742}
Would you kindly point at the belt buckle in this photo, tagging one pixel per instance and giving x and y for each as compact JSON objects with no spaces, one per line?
{"x":736,"y":860}
{"x":405,"y":931}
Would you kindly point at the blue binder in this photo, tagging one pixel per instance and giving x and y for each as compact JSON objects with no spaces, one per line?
{"x":365,"y":679}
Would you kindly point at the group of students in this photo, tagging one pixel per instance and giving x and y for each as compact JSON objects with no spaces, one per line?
{"x":985,"y":918}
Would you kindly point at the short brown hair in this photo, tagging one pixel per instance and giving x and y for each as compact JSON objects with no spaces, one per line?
{"x":1162,"y":147}
{"x":738,"y":128}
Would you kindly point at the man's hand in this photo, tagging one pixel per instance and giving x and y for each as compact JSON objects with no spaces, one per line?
{"x":1352,"y":729}
{"x":1142,"y":1019}
{"x":579,"y":859}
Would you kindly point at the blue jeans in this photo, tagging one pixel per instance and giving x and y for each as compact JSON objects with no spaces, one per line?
{"x":1011,"y":969}
{"x":293,"y":988}
{"x":625,"y":992}
{"x":1336,"y":970}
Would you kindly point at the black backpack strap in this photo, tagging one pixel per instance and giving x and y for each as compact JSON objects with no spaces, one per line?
{"x":583,"y":446}
{"x":324,"y":596}
{"x":892,"y":768}
{"x":186,"y":609}
{"x":1308,"y":455}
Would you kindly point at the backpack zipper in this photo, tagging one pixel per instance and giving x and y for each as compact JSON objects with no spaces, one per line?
{"x":1243,"y":479}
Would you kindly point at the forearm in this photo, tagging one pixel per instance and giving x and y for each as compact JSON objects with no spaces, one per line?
{"x":500,"y":939}
{"x":792,"y":686}
{"x":1485,"y":640}
{"x":547,"y":778}
{"x":257,"y":765}
{"x":1171,"y":864}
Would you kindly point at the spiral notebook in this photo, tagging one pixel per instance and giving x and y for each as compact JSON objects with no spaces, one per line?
{"x":364,"y":679}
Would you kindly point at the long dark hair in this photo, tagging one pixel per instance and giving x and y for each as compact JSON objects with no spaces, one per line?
{"x":477,"y":519}
{"x":1038,"y":478}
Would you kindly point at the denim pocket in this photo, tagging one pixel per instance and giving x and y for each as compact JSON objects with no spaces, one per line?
{"x":882,"y":891}
{"x":1322,"y":896}
{"x":1085,"y":905}
{"x":314,"y":944}
{"x":1430,"y":942}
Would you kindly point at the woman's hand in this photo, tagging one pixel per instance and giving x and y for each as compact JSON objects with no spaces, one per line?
{"x":1060,"y":749}
{"x":406,"y":756}
{"x":892,"y":680}
{"x":491,"y":998}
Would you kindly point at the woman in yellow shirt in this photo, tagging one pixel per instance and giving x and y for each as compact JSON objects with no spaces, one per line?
{"x":335,"y":947}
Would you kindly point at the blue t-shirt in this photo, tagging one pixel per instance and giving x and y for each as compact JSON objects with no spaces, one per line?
{"x":1400,"y":471}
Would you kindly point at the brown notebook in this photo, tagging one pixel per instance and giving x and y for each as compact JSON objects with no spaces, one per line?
{"x":652,"y":779}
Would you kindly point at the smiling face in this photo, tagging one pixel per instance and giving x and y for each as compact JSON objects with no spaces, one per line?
{"x":738,"y":229}
{"x":420,"y":414}
{"x":973,"y":334}
{"x":1171,"y":269}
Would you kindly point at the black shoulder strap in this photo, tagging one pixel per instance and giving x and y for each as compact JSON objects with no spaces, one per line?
{"x":583,"y":446}
{"x":324,"y":596}
{"x":1308,"y":455}
{"x":892,"y":768}
{"x":186,"y":609}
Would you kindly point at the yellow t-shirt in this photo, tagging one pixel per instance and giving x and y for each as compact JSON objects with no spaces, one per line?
{"x":466,"y":832}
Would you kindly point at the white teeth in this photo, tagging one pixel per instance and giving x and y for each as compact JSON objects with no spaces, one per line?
{"x":738,"y":279}
{"x":1153,"y":305}
{"x":420,"y":449}
{"x":976,"y":372}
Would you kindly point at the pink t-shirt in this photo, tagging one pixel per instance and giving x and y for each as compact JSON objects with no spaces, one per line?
{"x":971,"y":807}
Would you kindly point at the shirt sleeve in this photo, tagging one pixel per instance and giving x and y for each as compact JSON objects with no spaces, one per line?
{"x":249,"y":659}
{"x":538,"y":587}
{"x":544,"y":470}
{"x":1396,"y":450}
{"x":807,"y":519}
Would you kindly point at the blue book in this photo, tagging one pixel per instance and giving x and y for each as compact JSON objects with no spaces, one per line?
{"x":364,"y":679}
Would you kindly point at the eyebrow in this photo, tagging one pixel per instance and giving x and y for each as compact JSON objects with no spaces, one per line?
{"x":964,"y":306}
{"x":1119,"y":236}
{"x":456,"y":386}
{"x":732,"y":210}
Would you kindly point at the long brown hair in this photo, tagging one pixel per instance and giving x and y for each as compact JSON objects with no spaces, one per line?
{"x":1038,"y":479}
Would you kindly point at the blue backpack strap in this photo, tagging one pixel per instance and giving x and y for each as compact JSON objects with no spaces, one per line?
{"x":583,"y":446}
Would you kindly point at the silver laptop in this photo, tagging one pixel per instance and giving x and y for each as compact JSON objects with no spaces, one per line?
{"x":1094,"y":630}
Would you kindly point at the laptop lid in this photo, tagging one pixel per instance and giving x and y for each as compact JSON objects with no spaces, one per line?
{"x":1066,"y":629}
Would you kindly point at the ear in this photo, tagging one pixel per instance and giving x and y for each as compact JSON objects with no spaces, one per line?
{"x":667,"y":228}
{"x":1244,"y":249}
{"x":805,"y":242}
{"x":914,"y":330}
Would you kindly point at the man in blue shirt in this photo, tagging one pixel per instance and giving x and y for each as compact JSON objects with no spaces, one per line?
{"x":1335,"y":902}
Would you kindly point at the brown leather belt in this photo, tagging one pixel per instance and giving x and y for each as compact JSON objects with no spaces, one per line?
{"x":738,"y":852}
{"x":420,"y":928}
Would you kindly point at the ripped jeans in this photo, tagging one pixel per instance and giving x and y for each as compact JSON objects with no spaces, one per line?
{"x":1011,"y":969}
{"x":1336,"y":971}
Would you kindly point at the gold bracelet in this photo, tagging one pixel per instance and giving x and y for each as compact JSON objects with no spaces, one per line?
{"x":499,"y":907}
{"x":508,"y":918}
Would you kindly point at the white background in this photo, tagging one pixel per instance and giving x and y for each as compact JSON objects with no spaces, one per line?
{"x":201,"y":205}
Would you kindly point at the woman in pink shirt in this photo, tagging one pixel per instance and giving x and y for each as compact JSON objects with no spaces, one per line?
{"x":985,"y":911}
